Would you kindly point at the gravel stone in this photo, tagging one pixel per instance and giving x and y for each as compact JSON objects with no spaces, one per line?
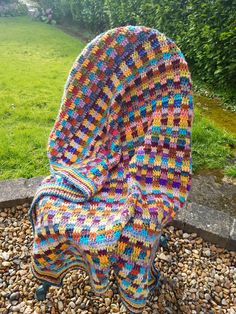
{"x":16,"y":308}
{"x":14,"y":296}
{"x":5,"y":256}
{"x":207,"y":253}
{"x":166,"y":258}
{"x":224,"y":302}
{"x":186,"y":236}
{"x":60,"y":306}
{"x":107,"y":302}
{"x":196,"y":276}
{"x":72,"y":305}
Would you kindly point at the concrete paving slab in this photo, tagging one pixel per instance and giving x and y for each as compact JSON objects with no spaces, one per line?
{"x":212,"y":225}
{"x":18,"y":191}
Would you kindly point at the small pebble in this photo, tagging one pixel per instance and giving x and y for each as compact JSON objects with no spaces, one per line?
{"x":16,"y":308}
{"x":109,"y":293}
{"x":164,"y":257}
{"x":107,"y":301}
{"x":82,"y":306}
{"x":224,"y":302}
{"x":207,"y":253}
{"x":60,"y":306}
{"x":72,"y":305}
{"x":14,"y":296}
{"x":115,"y":308}
{"x":187,"y":251}
{"x":87,"y":288}
{"x":5,"y":256}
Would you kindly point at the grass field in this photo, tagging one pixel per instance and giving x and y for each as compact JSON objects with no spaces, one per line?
{"x":35,"y":61}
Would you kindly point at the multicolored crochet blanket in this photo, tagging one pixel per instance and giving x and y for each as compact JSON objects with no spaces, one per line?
{"x":120,"y":163}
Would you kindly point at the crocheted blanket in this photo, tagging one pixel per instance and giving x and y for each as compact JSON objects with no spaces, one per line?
{"x":120,"y":163}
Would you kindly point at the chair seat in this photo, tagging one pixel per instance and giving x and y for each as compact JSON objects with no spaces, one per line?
{"x":95,"y":223}
{"x":75,"y":235}
{"x":79,"y":232}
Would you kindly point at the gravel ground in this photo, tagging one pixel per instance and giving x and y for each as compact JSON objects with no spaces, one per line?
{"x":197,"y":277}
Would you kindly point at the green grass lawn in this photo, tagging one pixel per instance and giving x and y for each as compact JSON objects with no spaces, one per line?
{"x":35,"y":61}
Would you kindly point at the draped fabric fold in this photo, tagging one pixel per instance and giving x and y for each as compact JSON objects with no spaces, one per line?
{"x":120,"y":163}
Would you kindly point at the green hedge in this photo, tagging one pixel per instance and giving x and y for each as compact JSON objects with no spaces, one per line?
{"x":10,"y":8}
{"x":204,"y":30}
{"x":61,"y":8}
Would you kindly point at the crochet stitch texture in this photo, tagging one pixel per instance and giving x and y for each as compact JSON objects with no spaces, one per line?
{"x":120,"y":163}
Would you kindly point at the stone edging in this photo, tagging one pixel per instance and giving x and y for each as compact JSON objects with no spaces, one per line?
{"x":212,"y":225}
{"x":18,"y":191}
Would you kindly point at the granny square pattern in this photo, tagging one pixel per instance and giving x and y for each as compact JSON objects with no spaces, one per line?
{"x":120,"y":163}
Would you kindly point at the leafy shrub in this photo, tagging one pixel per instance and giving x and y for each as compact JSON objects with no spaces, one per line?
{"x":5,"y":2}
{"x":60,"y":8}
{"x":89,"y":14}
{"x":204,"y":30}
{"x":12,"y":8}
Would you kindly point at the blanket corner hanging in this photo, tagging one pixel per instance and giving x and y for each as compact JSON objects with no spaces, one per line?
{"x":120,"y":163}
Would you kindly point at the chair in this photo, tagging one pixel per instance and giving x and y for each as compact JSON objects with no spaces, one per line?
{"x":120,"y":164}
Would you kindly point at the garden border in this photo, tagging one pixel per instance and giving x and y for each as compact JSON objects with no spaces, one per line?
{"x":212,"y":225}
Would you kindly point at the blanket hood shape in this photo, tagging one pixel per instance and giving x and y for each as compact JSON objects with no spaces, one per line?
{"x":120,"y":163}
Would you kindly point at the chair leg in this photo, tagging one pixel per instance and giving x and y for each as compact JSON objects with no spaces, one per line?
{"x":164,"y":240}
{"x":156,"y":290}
{"x":41,"y":291}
